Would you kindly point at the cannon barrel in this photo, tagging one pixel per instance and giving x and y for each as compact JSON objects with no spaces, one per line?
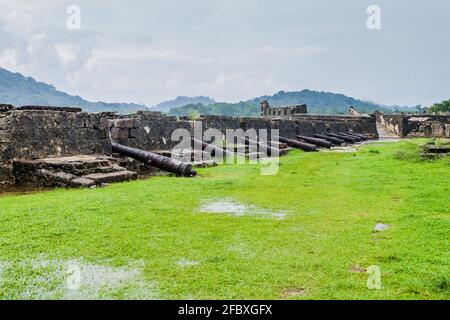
{"x":214,"y":149}
{"x":316,"y":141}
{"x":298,"y":144}
{"x":156,"y":160}
{"x":335,"y":141}
{"x":343,"y":137}
{"x":359,"y":135}
{"x":270,"y":150}
{"x":351,"y":136}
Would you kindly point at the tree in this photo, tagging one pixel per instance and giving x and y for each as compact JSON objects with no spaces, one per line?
{"x":444,"y":106}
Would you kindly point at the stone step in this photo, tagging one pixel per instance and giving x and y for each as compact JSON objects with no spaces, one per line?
{"x":110,"y":177}
{"x":107,"y":169}
{"x":75,"y":171}
{"x":82,"y":183}
{"x":68,"y":164}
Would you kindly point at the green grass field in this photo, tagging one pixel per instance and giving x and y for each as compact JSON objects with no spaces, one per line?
{"x":308,"y":232}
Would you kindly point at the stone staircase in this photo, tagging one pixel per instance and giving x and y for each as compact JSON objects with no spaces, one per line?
{"x":76,"y":171}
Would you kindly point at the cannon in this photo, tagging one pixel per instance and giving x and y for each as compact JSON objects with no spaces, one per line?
{"x":155,"y":160}
{"x":270,"y":150}
{"x":316,"y":141}
{"x":212,"y":148}
{"x":342,"y":137}
{"x":358,"y":139}
{"x":298,"y":144}
{"x":335,"y":141}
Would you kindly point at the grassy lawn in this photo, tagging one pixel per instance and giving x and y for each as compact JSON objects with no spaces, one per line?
{"x":307,"y":235}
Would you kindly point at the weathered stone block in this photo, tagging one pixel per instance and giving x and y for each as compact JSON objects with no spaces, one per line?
{"x":119,"y":134}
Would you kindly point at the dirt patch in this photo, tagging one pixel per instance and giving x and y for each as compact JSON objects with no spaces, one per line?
{"x":357,"y":269}
{"x":294,"y":293}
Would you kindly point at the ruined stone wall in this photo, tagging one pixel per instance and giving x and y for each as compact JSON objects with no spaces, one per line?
{"x":286,"y":112}
{"x":394,"y":124}
{"x":416,"y":125}
{"x":152,"y":130}
{"x":146,"y":130}
{"x":40,"y":132}
{"x":437,"y":129}
{"x":30,"y":134}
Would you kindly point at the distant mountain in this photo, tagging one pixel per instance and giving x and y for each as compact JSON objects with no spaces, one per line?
{"x":320,"y":102}
{"x":19,"y":90}
{"x":317,"y":102}
{"x":182,"y":101}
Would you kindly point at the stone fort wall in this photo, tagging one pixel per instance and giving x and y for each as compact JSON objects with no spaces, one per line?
{"x":416,"y":125}
{"x":31,"y":134}
{"x":39,"y":132}
{"x":152,"y":131}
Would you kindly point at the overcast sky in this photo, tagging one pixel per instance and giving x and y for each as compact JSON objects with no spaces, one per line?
{"x":231,"y":50}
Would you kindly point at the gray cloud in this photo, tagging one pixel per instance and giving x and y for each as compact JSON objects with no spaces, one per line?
{"x":147,"y":51}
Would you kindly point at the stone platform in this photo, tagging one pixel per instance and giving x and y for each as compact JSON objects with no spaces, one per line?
{"x":75,"y":171}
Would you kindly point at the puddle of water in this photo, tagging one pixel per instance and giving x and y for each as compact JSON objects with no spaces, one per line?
{"x":381,"y":227}
{"x":229,"y":206}
{"x":384,"y":140}
{"x":43,"y":279}
{"x":341,"y":149}
{"x":354,"y":147}
{"x":187,"y":263}
{"x":242,"y":251}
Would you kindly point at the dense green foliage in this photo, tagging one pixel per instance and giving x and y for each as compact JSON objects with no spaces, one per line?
{"x":317,"y":102}
{"x":444,"y":106}
{"x":18,"y":90}
{"x":178,"y":102}
{"x":320,"y":102}
{"x":320,"y":250}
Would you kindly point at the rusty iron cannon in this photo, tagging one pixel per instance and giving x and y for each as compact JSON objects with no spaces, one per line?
{"x":298,"y":144}
{"x":342,"y":137}
{"x":358,"y":139}
{"x":358,"y":135}
{"x":333,"y":140}
{"x":212,"y":149}
{"x":156,"y":160}
{"x":318,"y":142}
{"x":264,"y":147}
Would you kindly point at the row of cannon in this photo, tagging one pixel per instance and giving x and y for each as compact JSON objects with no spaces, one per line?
{"x":180,"y":168}
{"x":327,"y":140}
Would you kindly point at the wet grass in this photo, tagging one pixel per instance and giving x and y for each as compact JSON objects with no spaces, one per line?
{"x":320,"y":250}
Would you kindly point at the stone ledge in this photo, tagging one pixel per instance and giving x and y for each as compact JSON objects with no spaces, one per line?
{"x":50,"y":108}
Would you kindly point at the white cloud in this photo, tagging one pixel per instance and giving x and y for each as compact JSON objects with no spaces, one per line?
{"x":29,"y":47}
